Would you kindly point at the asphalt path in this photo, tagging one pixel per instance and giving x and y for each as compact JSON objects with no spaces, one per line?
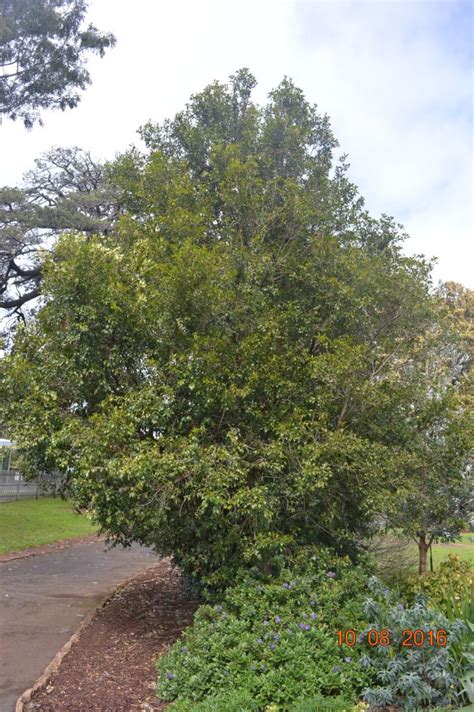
{"x":43,"y":600}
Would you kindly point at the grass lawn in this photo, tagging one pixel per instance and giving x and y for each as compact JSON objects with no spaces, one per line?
{"x":32,"y":522}
{"x":398,"y":556}
{"x":464,"y":549}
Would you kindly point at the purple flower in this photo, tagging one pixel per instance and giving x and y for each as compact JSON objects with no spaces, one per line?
{"x":307,"y":627}
{"x":347,"y":660}
{"x":272,"y":646}
{"x":277,"y":619}
{"x":385,"y":592}
{"x":313,"y":616}
{"x":312,"y":603}
{"x":304,"y":615}
{"x":286,"y":585}
{"x":219,"y":609}
{"x":336,"y":668}
{"x":170,"y":676}
{"x":265,"y":622}
{"x":184,"y":650}
{"x":260,"y":641}
{"x":302,"y":626}
{"x":276,"y":636}
{"x":400,"y":607}
{"x":331,"y":574}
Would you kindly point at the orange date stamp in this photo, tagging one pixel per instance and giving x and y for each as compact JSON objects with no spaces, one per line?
{"x":409,"y":638}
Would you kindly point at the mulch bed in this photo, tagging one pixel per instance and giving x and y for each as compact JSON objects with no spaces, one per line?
{"x":112,"y":666}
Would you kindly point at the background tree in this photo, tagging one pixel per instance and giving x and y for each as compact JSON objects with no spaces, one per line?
{"x":67,"y":190}
{"x":460,"y":304}
{"x":438,"y":504}
{"x":43,"y":44}
{"x":237,"y":370}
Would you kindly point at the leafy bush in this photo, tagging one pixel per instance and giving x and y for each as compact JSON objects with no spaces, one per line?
{"x":272,"y":641}
{"x":242,"y":702}
{"x":451,"y":590}
{"x":410,"y":677}
{"x":461,"y":606}
{"x":237,"y":701}
{"x":440,"y":586}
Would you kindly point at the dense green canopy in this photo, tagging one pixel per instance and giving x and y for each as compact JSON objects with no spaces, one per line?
{"x":239,"y":368}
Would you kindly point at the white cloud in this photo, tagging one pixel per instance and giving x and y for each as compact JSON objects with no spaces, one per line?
{"x":395,"y":78}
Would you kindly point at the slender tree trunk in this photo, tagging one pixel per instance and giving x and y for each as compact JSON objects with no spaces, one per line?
{"x":423,"y":547}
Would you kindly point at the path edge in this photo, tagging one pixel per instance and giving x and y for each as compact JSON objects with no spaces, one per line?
{"x":54,"y":665}
{"x":52,"y":547}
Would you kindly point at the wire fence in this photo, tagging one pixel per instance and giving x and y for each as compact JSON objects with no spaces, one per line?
{"x":14,"y":486}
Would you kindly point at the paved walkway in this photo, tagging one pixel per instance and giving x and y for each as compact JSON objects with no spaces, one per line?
{"x":43,"y":600}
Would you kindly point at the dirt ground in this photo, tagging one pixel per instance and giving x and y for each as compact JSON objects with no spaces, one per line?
{"x":112,"y":666}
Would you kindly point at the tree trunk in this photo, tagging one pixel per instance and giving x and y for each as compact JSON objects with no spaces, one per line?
{"x":423,"y":547}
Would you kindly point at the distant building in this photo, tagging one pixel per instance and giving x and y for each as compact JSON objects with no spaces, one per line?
{"x":7,"y":455}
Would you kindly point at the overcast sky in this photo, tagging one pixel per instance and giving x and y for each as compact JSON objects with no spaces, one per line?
{"x":396,"y":79}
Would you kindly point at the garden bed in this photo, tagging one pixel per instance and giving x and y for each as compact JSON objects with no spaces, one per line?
{"x":112,"y":665}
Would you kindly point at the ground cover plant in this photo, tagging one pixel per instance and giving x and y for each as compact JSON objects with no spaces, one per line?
{"x":425,"y":675}
{"x":451,"y":590}
{"x":273,"y":642}
{"x":33,"y":522}
{"x":272,"y":645}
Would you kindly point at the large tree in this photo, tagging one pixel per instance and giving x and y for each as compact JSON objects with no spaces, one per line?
{"x":67,"y":190}
{"x":43,"y":45}
{"x":238,"y":368}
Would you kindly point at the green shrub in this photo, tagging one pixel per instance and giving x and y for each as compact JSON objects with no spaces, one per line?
{"x":461,"y":606}
{"x":410,"y":677}
{"x":241,"y":701}
{"x":451,"y":590}
{"x":323,"y":704}
{"x":272,"y":641}
{"x":236,"y":701}
{"x":441,"y":585}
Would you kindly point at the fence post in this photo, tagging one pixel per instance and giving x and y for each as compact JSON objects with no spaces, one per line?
{"x":18,"y":489}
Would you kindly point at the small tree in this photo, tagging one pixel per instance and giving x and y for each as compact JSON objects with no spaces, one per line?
{"x":438,"y":504}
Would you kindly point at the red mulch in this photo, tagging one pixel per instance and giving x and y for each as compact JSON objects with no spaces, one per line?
{"x":112,"y":666}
